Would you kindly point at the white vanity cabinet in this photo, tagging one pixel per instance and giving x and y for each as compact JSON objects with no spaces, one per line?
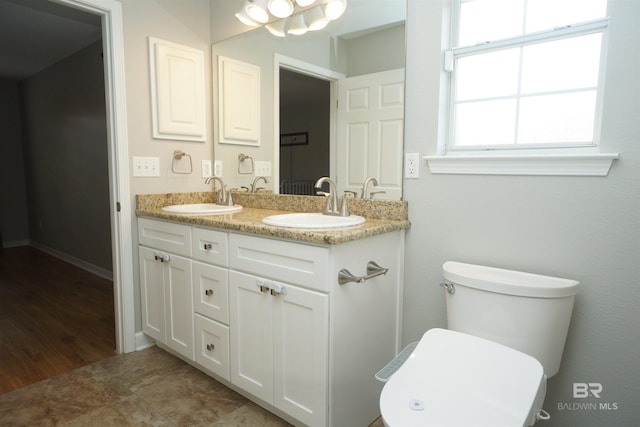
{"x":269,"y":318}
{"x":166,"y":284}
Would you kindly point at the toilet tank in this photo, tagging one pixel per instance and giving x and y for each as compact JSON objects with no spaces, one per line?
{"x":527,"y":312}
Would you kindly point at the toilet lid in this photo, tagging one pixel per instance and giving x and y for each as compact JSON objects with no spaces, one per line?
{"x":455,"y":379}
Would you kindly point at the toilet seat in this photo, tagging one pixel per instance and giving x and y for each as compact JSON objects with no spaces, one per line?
{"x":455,"y":379}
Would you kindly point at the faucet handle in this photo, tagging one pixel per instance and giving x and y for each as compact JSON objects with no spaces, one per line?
{"x":344,"y":208}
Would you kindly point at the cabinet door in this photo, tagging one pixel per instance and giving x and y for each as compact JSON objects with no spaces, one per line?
{"x":301,"y":324}
{"x":179,"y":305}
{"x":152,"y":293}
{"x":251,"y":327}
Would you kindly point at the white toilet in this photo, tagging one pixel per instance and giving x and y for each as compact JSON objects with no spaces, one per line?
{"x":507,"y":331}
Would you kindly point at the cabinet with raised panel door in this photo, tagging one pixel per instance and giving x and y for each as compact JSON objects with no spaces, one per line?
{"x":165,"y":284}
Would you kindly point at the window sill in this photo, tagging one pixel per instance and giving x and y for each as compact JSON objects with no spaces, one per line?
{"x":555,"y":165}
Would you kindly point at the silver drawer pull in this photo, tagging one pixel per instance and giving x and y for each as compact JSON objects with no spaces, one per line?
{"x":207,"y":246}
{"x":208,"y":292}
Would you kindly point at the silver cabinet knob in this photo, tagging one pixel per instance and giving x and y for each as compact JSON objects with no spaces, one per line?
{"x":208,"y":292}
{"x":207,"y":246}
{"x":210,"y":347}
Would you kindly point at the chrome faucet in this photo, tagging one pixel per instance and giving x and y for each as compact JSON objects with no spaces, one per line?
{"x":331,"y":207}
{"x":224,"y":196}
{"x":255,"y":182}
{"x":365,"y":187}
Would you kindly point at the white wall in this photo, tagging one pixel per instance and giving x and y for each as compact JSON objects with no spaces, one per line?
{"x":581,"y":228}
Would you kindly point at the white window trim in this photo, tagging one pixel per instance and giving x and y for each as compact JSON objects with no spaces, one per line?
{"x":551,"y":164}
{"x":565,"y":161}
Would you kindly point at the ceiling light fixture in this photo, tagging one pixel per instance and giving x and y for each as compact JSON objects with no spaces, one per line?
{"x":281,"y":17}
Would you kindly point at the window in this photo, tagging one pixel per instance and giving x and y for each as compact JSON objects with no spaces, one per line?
{"x":525,"y":76}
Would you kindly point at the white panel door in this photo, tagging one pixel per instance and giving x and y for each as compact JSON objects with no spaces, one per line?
{"x":251,"y":326}
{"x":179,"y":306}
{"x":301,"y":334}
{"x":239,"y":102}
{"x":370,"y":132}
{"x":178,"y":92}
{"x":152,"y":290}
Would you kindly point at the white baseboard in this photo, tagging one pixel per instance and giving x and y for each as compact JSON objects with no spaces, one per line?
{"x":143,"y":341}
{"x":98,"y":271}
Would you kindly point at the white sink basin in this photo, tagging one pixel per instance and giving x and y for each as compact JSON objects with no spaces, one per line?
{"x":313,"y":220}
{"x":201,"y":209}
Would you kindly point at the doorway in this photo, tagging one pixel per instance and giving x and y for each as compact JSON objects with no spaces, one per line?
{"x":109,"y":12}
{"x":304,"y":131}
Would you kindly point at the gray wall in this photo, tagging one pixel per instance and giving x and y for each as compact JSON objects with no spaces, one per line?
{"x":13,"y":201}
{"x":65,"y":145}
{"x":576,"y":227}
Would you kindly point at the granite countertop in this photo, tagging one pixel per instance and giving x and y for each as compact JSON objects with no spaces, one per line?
{"x":382,"y":216}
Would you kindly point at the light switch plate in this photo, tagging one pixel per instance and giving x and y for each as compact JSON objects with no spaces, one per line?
{"x":263,"y":168}
{"x":146,"y":166}
{"x":206,"y":168}
{"x":217,"y":168}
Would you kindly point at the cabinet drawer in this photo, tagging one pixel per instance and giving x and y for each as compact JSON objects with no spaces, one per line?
{"x":212,"y":346}
{"x":167,"y":236}
{"x":294,"y":263}
{"x":211,"y":291}
{"x":211,"y":246}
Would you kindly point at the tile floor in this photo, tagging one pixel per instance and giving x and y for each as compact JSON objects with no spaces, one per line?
{"x":146,"y":388}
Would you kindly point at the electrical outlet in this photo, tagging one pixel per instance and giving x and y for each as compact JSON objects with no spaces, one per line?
{"x":206,"y":168}
{"x":263,"y":169}
{"x":412,"y":165}
{"x":217,"y":168}
{"x":146,"y":166}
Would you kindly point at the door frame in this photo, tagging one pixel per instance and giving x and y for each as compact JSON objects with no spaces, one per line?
{"x":110,"y":12}
{"x":298,"y":66}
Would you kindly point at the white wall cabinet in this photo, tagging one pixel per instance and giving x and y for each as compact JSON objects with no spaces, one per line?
{"x":177,"y":91}
{"x":271,"y":320}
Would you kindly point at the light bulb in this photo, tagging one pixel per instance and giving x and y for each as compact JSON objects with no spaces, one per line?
{"x":245,"y":19}
{"x":334,"y":9}
{"x":257,"y":10}
{"x":280,"y":8}
{"x":305,"y":3}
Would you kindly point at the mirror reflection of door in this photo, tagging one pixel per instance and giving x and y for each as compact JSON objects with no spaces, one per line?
{"x":304,"y":132}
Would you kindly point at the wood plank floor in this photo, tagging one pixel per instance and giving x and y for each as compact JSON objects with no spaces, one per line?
{"x":54,"y":317}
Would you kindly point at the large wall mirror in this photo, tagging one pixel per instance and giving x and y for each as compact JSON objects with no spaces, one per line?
{"x":332,"y":102}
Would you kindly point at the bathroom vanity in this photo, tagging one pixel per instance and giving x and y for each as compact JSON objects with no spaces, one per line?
{"x":261,"y":309}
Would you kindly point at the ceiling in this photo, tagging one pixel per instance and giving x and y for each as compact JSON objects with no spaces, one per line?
{"x":35,"y":34}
